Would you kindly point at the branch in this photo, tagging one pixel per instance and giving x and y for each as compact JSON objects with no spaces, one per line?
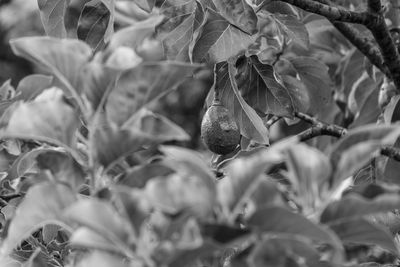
{"x":330,"y":12}
{"x":321,"y":128}
{"x":363,"y":44}
{"x":391,"y":152}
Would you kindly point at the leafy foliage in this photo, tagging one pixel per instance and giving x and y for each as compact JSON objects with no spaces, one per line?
{"x":94,"y":173}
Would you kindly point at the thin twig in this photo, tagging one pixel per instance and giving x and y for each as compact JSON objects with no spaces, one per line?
{"x":391,"y":152}
{"x":272,"y":121}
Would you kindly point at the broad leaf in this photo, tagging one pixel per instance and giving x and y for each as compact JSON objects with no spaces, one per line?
{"x":102,"y":218}
{"x":88,"y":238}
{"x":291,"y":251}
{"x":44,"y":203}
{"x":219,"y":40}
{"x":294,"y":29}
{"x":238,"y":13}
{"x":357,"y":148}
{"x":157,"y":126}
{"x":314,"y":75}
{"x":361,"y":231}
{"x":279,"y":220}
{"x":177,"y":40}
{"x":244,"y":175}
{"x":391,"y":167}
{"x":369,"y":111}
{"x":182,"y":193}
{"x":48,"y":118}
{"x":32,"y":85}
{"x":392,"y":110}
{"x":146,"y":5}
{"x":96,"y":80}
{"x":93,"y":23}
{"x":52,"y":13}
{"x":140,"y":85}
{"x":101,"y":259}
{"x":112,"y":143}
{"x":250,"y":124}
{"x":187,"y":161}
{"x":262,"y":89}
{"x":308,"y":176}
{"x":134,"y":35}
{"x":353,"y":206}
{"x":64,"y":59}
{"x":62,"y":166}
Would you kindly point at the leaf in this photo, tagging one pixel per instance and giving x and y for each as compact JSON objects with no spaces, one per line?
{"x":87,"y":238}
{"x":146,"y":5}
{"x":367,"y":133}
{"x":52,"y":13}
{"x":219,"y":40}
{"x":182,"y":193}
{"x":187,"y":161}
{"x":244,"y":175}
{"x":177,"y":40}
{"x":102,"y":218}
{"x":369,"y":111}
{"x":32,"y":85}
{"x":112,"y":143}
{"x":157,"y":126}
{"x":391,"y":168}
{"x":361,"y":231}
{"x":138,"y":176}
{"x":294,"y":29}
{"x":308,"y":176}
{"x":42,"y":204}
{"x":354,"y":206}
{"x":238,"y":13}
{"x":263,"y":90}
{"x":355,"y":150}
{"x":93,"y":23}
{"x":64,"y":59}
{"x":96,"y":80}
{"x":101,"y":259}
{"x":291,"y":251}
{"x":298,"y":93}
{"x":63,"y":167}
{"x":48,"y":118}
{"x":138,"y":86}
{"x":391,"y":113}
{"x":250,"y":124}
{"x":279,"y":220}
{"x":314,"y":75}
{"x":134,"y":35}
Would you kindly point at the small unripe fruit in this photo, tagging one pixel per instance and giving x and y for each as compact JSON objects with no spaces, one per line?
{"x":219,"y":130}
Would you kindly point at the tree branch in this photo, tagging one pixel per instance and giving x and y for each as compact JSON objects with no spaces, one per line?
{"x":330,"y":12}
{"x":321,"y":128}
{"x":373,"y":19}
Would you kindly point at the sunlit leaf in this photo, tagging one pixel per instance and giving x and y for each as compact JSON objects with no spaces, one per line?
{"x":42,"y":204}
{"x":238,"y":13}
{"x":307,"y":176}
{"x":353,"y":206}
{"x":314,"y":75}
{"x":47,"y":118}
{"x":64,"y":59}
{"x":219,"y":40}
{"x":146,"y":5}
{"x":101,"y":259}
{"x":140,"y":85}
{"x":102,"y":218}
{"x":279,"y":220}
{"x":263,"y":90}
{"x":93,"y":23}
{"x":32,"y":85}
{"x":52,"y":13}
{"x":177,"y":40}
{"x":250,"y":124}
{"x":361,"y":231}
